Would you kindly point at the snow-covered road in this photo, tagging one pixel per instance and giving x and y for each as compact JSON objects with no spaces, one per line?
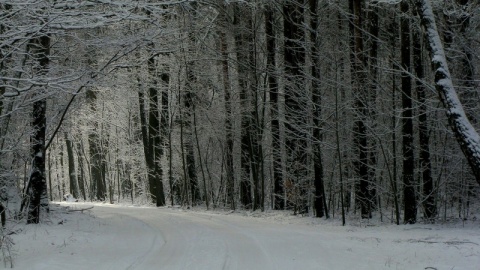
{"x":208,"y":241}
{"x":163,"y":238}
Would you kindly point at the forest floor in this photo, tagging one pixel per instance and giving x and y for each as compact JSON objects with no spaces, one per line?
{"x":136,"y":237}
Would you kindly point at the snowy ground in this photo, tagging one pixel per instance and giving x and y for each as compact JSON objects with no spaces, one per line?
{"x":122,"y":237}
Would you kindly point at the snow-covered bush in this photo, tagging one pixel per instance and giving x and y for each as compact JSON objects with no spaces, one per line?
{"x":69,"y":198}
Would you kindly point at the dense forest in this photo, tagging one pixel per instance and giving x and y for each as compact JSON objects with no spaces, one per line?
{"x":325,"y":108}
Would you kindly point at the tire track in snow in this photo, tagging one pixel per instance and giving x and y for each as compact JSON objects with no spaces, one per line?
{"x":186,"y":244}
{"x":155,"y":244}
{"x":186,"y":241}
{"x":241,"y":250}
{"x":262,"y":258}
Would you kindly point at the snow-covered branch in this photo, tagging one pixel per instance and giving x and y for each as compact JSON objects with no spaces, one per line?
{"x":465,"y":133}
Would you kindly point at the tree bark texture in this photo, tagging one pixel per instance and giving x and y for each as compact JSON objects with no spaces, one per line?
{"x":295,"y":102}
{"x":319,"y":200}
{"x":429,"y":207}
{"x":409,"y":200}
{"x":278,"y":190}
{"x":154,"y":138}
{"x":37,"y":184}
{"x":228,"y":151}
{"x":360,"y":93}
{"x":72,"y":173}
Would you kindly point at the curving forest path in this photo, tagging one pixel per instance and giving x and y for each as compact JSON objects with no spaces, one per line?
{"x":121,"y":237}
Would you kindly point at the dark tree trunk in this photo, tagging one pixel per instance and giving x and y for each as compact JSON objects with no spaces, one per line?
{"x":37,"y":185}
{"x":424,"y":137}
{"x":245,"y":183}
{"x":360,"y":106}
{"x":228,"y":151}
{"x":153,"y":130}
{"x":81,"y":177}
{"x":188,"y":100}
{"x":185,"y":195}
{"x":3,"y":215}
{"x":393,"y":29}
{"x":320,"y":200}
{"x":296,"y":143}
{"x":58,"y":166}
{"x":192,"y":173}
{"x":279,"y":193}
{"x":72,"y":173}
{"x":165,"y":129}
{"x":242,"y":45}
{"x":254,"y":134}
{"x":164,"y":118}
{"x":200,"y":159}
{"x":409,"y":200}
{"x":250,"y":188}
{"x":50,"y":188}
{"x":155,"y":143}
{"x":372,"y":104}
{"x":143,"y":127}
{"x":37,"y":181}
{"x":96,"y":154}
{"x":96,"y":166}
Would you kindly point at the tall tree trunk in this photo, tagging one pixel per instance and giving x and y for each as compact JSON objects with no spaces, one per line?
{"x":147,"y":139}
{"x":37,"y":185}
{"x":143,"y":123}
{"x":155,"y":143}
{"x":246,"y":143}
{"x":278,"y":190}
{"x":164,"y":121}
{"x":153,"y":129}
{"x":96,"y":154}
{"x":393,"y":29}
{"x":72,"y":173}
{"x":228,"y":151}
{"x":248,"y":169}
{"x":424,"y":137}
{"x":294,"y":56}
{"x":258,"y":95}
{"x":200,"y":159}
{"x":81,"y":178}
{"x":360,"y":106}
{"x":188,"y":144}
{"x":50,"y":188}
{"x":144,"y":128}
{"x":409,"y":200}
{"x":185,"y":192}
{"x":320,"y":200}
{"x":244,"y":47}
{"x":94,"y":140}
{"x":372,"y":103}
{"x":58,"y":168}
{"x":173,"y":186}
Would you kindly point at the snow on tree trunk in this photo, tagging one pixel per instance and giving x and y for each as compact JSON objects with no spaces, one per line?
{"x":466,"y":135}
